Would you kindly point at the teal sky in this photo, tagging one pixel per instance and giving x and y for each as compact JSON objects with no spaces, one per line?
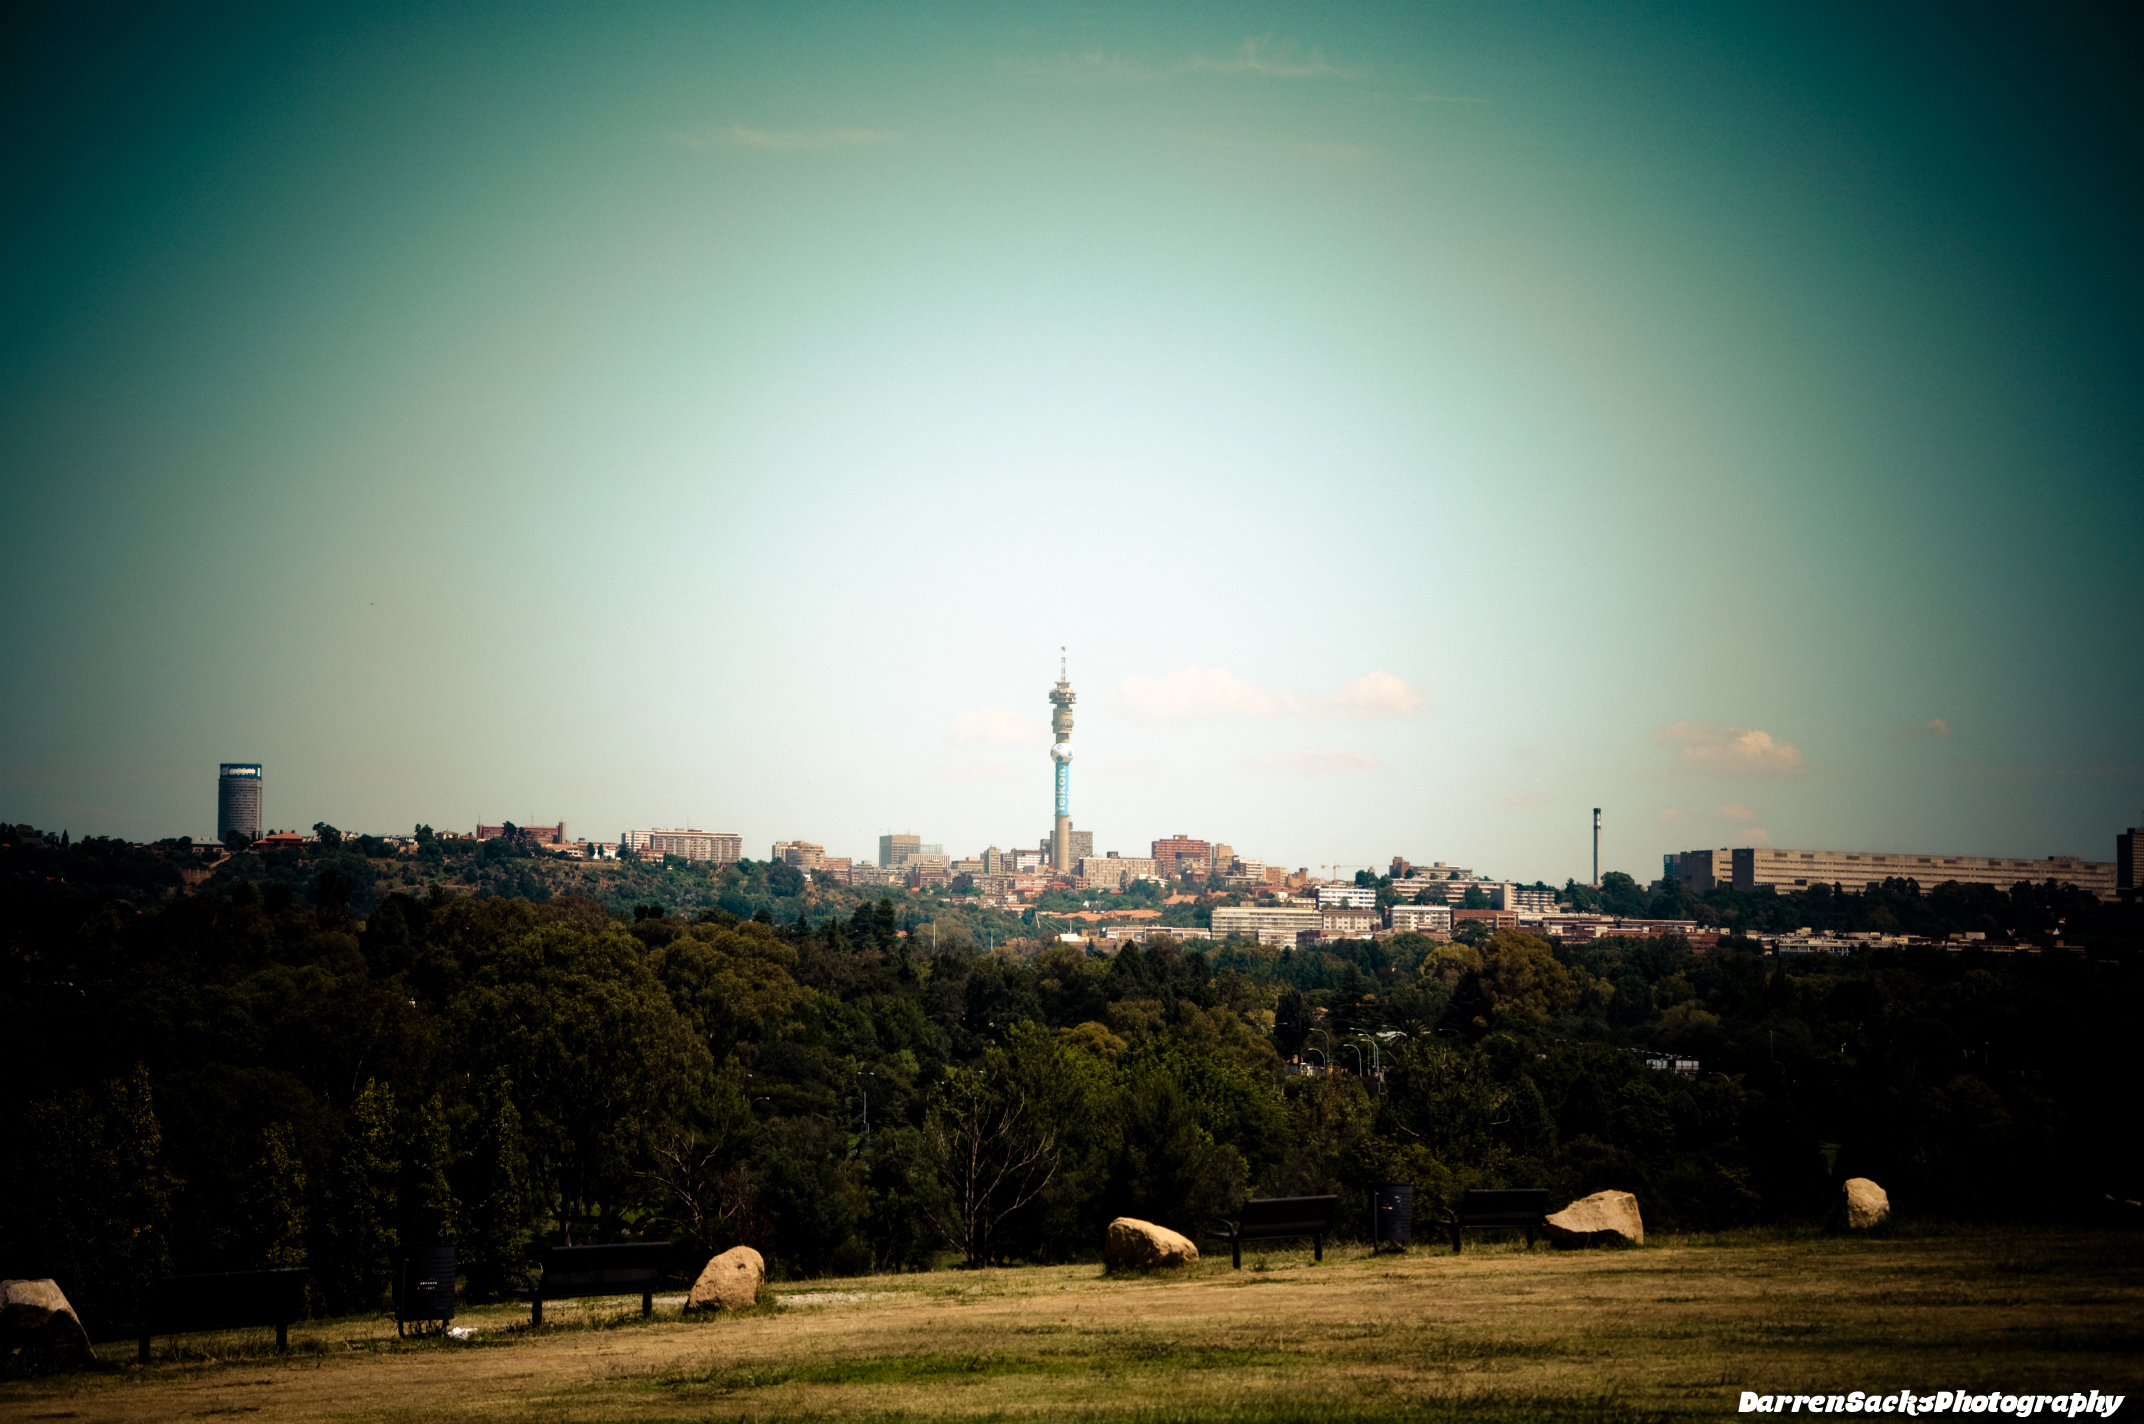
{"x":1421,"y":423}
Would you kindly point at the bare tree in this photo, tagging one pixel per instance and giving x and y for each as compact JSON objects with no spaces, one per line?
{"x":706,"y":1200}
{"x":991,"y":1151}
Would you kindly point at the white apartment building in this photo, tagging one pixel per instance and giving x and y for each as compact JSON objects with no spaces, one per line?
{"x":720,"y":847}
{"x":1348,"y":921}
{"x":1422,"y":919}
{"x":1266,"y":925}
{"x":1362,"y":897}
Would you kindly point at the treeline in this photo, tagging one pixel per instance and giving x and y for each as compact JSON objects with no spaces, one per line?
{"x":241,"y":1074}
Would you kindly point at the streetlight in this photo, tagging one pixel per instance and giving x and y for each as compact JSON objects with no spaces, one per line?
{"x":861,"y":1074}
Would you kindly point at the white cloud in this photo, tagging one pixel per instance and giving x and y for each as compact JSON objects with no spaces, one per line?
{"x":1197,"y":694}
{"x":1753,"y":836}
{"x":1708,"y":746}
{"x":782,"y":140}
{"x":996,"y":726}
{"x":1323,"y":762}
{"x":1736,"y":811}
{"x":1521,"y":798}
{"x":1933,"y":727}
{"x":1669,"y":816}
{"x":1377,"y":694}
{"x":1261,"y":57}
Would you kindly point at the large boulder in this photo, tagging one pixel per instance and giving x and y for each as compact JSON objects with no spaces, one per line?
{"x":1143,"y":1246}
{"x":730,"y":1282}
{"x":1866,"y":1203}
{"x":39,"y":1327}
{"x":1602,"y":1219}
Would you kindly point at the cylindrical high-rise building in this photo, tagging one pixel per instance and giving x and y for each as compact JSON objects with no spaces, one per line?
{"x":1061,"y":699}
{"x":238,"y":800}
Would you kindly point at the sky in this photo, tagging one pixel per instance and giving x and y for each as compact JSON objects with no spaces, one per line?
{"x":1417,"y":425}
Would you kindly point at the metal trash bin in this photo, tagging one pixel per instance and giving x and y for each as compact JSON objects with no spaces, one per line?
{"x":1391,"y":1215}
{"x":424,"y":1291}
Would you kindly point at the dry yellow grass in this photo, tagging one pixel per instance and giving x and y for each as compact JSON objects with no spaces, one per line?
{"x":1674,"y":1330}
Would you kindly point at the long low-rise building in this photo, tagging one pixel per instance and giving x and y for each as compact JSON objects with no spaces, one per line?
{"x":1789,"y":871}
{"x":1267,"y":925}
{"x":1581,"y":928}
{"x":721,"y":847}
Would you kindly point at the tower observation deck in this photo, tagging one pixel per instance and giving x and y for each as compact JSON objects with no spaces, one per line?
{"x":1061,"y":699}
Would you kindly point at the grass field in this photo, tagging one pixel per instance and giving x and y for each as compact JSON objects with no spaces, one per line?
{"x":1674,"y":1330}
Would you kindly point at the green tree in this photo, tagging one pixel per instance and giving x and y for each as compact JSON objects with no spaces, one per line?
{"x":1522,"y":978}
{"x":327,"y":835}
{"x":275,"y":1199}
{"x":499,"y":1209}
{"x":601,"y":1058}
{"x":100,"y":1194}
{"x":361,"y":1220}
{"x":429,"y":1210}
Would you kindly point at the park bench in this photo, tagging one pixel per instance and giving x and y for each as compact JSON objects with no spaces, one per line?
{"x":222,"y":1300}
{"x":627,"y":1268}
{"x":1503,"y":1209}
{"x":1280,"y":1219}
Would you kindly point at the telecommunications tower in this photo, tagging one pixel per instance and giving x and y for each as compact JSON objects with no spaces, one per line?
{"x":1061,"y":699}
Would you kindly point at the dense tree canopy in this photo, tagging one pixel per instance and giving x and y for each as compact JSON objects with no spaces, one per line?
{"x":321,"y":1063}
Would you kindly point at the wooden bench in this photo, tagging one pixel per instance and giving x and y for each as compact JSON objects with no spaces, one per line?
{"x":626,"y":1268}
{"x":223,"y":1300}
{"x":1504,"y":1209}
{"x":1280,"y":1219}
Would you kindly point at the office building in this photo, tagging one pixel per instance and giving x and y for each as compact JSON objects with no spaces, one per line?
{"x":1267,"y":925}
{"x":1114,"y":872}
{"x":1791,"y":871}
{"x":1168,"y":852}
{"x":896,"y":850}
{"x":1520,"y":897}
{"x":801,"y":854}
{"x":2127,"y":882}
{"x":1701,"y":870}
{"x":238,"y":800}
{"x":719,"y":847}
{"x":1082,"y":846}
{"x":528,"y":835}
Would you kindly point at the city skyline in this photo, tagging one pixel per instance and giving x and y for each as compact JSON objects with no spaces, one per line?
{"x":1421,"y":428}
